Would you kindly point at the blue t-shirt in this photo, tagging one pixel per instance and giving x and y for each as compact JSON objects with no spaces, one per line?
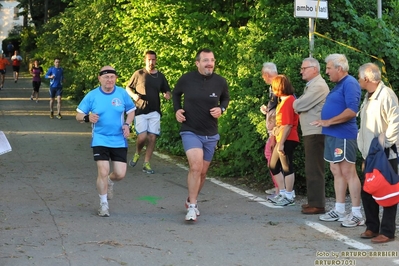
{"x":345,"y":94}
{"x":111,"y":109}
{"x":58,"y":72}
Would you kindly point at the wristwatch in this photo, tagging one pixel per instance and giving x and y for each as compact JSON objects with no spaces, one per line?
{"x":223,"y":109}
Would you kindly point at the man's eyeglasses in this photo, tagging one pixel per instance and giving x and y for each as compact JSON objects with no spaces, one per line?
{"x":303,"y":68}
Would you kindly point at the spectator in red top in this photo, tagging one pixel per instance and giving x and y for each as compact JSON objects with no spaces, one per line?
{"x":16,"y":62}
{"x":286,"y":134}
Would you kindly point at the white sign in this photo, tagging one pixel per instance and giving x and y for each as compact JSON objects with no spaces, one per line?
{"x":311,"y":9}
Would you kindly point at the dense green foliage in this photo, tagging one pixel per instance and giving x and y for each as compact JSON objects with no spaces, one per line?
{"x":243,"y":34}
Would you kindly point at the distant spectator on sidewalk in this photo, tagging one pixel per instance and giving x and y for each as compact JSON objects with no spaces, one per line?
{"x":309,"y":106}
{"x":105,"y":107}
{"x":56,"y":76}
{"x":144,"y":87}
{"x":36,"y":72}
{"x":16,"y":60}
{"x":3,"y":68}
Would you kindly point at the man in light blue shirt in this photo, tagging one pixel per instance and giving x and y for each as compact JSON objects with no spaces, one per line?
{"x":105,"y":107}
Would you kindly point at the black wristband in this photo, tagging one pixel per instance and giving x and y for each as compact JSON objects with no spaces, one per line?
{"x":86,"y":118}
{"x":126,"y":124}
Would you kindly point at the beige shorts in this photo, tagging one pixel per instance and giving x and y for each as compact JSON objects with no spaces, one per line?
{"x":150,"y":123}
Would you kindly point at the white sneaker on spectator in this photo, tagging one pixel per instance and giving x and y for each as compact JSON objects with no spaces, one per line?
{"x":332,"y":216}
{"x":352,"y":221}
{"x":274,"y":198}
{"x":284,"y":201}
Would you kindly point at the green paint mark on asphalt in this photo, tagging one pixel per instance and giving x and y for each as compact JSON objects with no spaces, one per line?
{"x":150,"y":199}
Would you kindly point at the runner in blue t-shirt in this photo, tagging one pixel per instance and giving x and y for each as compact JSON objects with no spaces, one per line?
{"x":105,"y":107}
{"x":56,"y":76}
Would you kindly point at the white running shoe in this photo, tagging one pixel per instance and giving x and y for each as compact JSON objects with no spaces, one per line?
{"x":284,"y":201}
{"x":103,"y":211}
{"x":332,"y":216}
{"x":187,"y":204}
{"x":191,"y":214}
{"x":352,"y":221}
{"x":274,"y":198}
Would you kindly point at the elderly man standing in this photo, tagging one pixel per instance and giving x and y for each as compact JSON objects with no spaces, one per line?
{"x":309,"y":106}
{"x":338,"y":119}
{"x":269,"y":72}
{"x":379,"y":114}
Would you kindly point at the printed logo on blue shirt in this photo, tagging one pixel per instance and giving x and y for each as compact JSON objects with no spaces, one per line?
{"x":116,"y":102}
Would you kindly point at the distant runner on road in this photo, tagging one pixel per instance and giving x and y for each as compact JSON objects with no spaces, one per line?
{"x":56,"y":76}
{"x":16,"y":60}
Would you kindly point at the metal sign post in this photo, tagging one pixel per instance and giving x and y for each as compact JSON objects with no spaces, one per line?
{"x":311,"y":36}
{"x":311,"y":9}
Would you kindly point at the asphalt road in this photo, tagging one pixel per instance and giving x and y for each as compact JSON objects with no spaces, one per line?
{"x":48,"y":207}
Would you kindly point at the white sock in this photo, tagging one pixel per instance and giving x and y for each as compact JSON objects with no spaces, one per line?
{"x":340,"y":207}
{"x":289,"y":195}
{"x":192,"y":206}
{"x":282,"y":192}
{"x":356,"y":212}
{"x":103,"y":198}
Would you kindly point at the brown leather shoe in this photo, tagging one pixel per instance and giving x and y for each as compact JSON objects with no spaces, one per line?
{"x":313,"y":210}
{"x":304,"y":206}
{"x":381,"y":239}
{"x":368,"y":234}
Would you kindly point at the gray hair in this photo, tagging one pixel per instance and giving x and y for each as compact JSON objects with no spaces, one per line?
{"x":269,"y":68}
{"x":339,"y":60}
{"x":371,"y":72}
{"x":313,"y":62}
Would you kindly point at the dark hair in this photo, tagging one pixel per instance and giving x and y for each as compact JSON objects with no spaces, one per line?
{"x":150,"y":52}
{"x":282,"y":85}
{"x":205,"y":50}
